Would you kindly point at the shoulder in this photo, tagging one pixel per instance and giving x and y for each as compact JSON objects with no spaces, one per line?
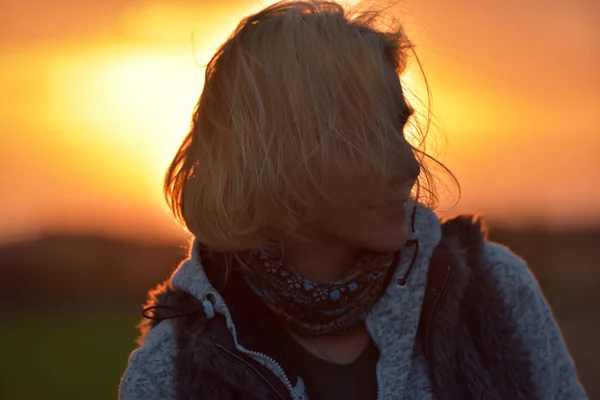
{"x":509,"y":270}
{"x":520,"y":297}
{"x":149,"y":373}
{"x":517,"y":286}
{"x":552,"y":367}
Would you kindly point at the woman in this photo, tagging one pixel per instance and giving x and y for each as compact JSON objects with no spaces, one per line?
{"x":317,"y":269}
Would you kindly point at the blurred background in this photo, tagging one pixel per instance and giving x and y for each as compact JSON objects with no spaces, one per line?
{"x":95,"y":97}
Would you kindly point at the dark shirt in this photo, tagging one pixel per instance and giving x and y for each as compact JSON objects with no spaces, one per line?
{"x":328,"y":381}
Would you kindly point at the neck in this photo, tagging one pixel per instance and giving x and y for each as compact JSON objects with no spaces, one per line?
{"x":320,"y":262}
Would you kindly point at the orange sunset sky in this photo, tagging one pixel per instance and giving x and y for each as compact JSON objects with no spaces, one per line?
{"x":97,"y":95}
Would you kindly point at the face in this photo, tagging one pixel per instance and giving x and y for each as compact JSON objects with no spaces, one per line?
{"x":367,"y":214}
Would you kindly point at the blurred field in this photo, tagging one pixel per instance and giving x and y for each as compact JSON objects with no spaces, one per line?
{"x":64,"y":357}
{"x":69,"y":306}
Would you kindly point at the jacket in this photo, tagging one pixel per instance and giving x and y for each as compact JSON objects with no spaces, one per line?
{"x":469,"y":322}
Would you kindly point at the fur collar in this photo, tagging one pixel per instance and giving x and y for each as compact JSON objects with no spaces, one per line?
{"x":474,"y":353}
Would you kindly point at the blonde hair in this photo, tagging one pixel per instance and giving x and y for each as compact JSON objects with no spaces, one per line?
{"x":296,"y":91}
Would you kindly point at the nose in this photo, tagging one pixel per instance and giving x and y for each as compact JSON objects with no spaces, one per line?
{"x":406,"y":174}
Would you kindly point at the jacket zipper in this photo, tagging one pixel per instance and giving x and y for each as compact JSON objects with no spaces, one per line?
{"x":253,"y":368}
{"x":377,"y":367}
{"x":434,"y":308}
{"x":241,"y":349}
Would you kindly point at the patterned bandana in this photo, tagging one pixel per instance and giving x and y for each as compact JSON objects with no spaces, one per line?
{"x":313,"y":309}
